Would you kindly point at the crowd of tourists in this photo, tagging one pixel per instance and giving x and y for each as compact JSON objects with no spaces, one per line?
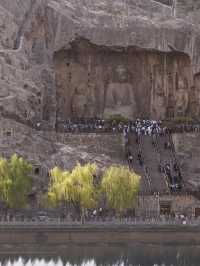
{"x":140,"y":126}
{"x":170,"y":170}
{"x":174,"y":177}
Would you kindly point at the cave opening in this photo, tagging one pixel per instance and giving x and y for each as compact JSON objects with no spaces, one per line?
{"x":100,"y":81}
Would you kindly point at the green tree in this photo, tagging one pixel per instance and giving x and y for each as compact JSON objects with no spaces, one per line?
{"x":121,"y":187}
{"x":15,"y":181}
{"x":5,"y":181}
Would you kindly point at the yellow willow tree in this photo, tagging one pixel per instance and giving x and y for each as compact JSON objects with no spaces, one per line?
{"x":76,"y":188}
{"x":121,"y":187}
{"x":84,"y":193}
{"x":55,"y":189}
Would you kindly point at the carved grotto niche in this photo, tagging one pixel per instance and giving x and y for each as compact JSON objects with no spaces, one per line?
{"x":94,"y":80}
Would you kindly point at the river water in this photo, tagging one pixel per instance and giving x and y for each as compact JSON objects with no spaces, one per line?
{"x":119,"y":255}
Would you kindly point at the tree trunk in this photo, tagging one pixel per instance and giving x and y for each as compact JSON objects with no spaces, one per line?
{"x":82,"y":216}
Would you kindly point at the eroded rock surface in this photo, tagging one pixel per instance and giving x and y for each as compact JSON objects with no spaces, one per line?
{"x":188,"y":151}
{"x":48,"y":149}
{"x":67,"y":58}
{"x":123,"y":51}
{"x":73,"y":58}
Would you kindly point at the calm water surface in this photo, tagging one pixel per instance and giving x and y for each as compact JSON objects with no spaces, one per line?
{"x":137,"y":255}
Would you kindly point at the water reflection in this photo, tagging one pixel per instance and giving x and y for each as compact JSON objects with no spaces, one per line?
{"x":138,"y":255}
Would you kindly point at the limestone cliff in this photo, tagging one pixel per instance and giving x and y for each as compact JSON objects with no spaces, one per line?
{"x":69,"y":58}
{"x":62,"y":58}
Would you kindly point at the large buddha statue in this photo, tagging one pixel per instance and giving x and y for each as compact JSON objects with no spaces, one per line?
{"x":120,"y":98}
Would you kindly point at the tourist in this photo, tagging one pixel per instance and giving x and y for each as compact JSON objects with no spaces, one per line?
{"x":140,"y":160}
{"x":130,"y":159}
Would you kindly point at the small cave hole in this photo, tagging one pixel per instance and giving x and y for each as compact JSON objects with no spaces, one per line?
{"x":37,"y":170}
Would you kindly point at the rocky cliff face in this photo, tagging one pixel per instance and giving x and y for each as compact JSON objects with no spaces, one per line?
{"x":83,"y":58}
{"x":67,"y":58}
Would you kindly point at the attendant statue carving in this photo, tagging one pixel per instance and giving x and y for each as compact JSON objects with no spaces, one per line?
{"x":82,"y":102}
{"x":158,"y":99}
{"x":79,"y":102}
{"x":181,"y":98}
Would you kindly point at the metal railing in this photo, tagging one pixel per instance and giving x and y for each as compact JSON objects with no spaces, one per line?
{"x":159,"y":221}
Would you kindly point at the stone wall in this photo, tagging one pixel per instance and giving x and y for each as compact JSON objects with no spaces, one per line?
{"x":150,"y":206}
{"x":108,"y":144}
{"x":65,"y":235}
{"x":182,"y":204}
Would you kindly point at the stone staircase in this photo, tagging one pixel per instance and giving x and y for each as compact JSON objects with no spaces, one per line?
{"x":167,"y":155}
{"x":135,"y":149}
{"x":151,"y":159}
{"x":154,"y":156}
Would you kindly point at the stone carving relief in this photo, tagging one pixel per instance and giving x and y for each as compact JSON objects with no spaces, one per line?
{"x":95,"y":81}
{"x":82,"y":102}
{"x":79,"y":102}
{"x":82,"y":99}
{"x":158,"y":101}
{"x":181,"y":97}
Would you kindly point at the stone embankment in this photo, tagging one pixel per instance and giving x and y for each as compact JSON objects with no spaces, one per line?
{"x":43,"y":234}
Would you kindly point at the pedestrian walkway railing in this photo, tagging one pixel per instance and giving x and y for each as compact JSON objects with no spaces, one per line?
{"x":106,"y":222}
